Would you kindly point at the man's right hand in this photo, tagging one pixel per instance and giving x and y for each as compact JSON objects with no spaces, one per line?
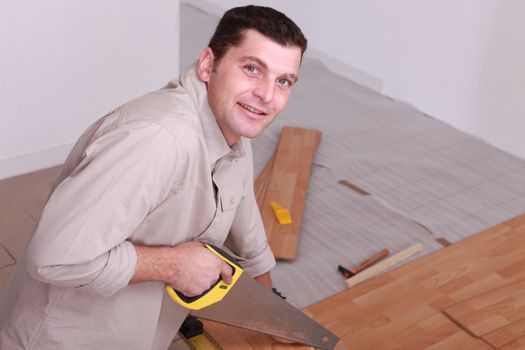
{"x":189,"y":268}
{"x":195,"y":269}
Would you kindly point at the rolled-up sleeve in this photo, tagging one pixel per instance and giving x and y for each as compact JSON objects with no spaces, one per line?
{"x":81,"y":240}
{"x":247,"y":238}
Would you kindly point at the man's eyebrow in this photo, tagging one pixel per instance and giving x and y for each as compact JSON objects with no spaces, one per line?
{"x":256,"y":60}
{"x":261,"y":63}
{"x":292,"y":77}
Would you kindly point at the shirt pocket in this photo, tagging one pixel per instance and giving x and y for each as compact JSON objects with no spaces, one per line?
{"x":230,"y":196}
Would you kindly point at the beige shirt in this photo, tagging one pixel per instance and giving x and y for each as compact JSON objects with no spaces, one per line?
{"x":156,"y":171}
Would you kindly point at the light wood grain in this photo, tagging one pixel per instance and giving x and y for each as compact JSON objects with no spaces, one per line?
{"x":403,"y":308}
{"x":383,"y":265}
{"x":518,"y":344}
{"x":287,"y":185}
{"x":497,"y":316}
{"x":262,"y":181}
{"x":505,"y":335}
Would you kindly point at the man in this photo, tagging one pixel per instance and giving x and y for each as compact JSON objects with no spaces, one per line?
{"x":144,"y":186}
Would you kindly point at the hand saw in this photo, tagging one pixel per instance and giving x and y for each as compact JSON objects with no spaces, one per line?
{"x":246,"y":303}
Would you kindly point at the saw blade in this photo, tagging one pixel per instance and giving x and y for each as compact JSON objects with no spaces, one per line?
{"x":251,"y":306}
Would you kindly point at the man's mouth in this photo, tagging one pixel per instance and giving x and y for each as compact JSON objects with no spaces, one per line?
{"x":251,"y":109}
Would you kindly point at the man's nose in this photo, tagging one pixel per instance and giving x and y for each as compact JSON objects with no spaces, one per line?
{"x":265,"y":90}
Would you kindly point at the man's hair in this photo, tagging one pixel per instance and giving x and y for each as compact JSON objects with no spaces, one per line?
{"x":269,"y":22}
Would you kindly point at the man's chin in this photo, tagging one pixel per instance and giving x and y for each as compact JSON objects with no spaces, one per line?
{"x":252,"y":132}
{"x":251,"y":135}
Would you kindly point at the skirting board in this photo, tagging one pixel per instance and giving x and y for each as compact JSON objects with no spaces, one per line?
{"x":346,"y":70}
{"x":28,"y":162}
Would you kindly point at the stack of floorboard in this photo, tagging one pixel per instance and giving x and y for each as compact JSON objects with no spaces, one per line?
{"x":469,"y":295}
{"x":285,"y":180}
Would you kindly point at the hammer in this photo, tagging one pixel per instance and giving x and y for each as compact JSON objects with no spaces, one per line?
{"x":349,"y":273}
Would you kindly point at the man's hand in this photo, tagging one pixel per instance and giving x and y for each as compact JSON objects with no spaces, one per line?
{"x":195,"y":268}
{"x":189,"y":268}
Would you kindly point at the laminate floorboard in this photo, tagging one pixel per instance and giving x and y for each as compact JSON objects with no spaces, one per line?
{"x":407,"y":307}
{"x":288,"y":186}
{"x":495,"y":310}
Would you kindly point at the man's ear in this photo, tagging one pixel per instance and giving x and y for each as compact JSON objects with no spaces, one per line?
{"x":205,"y":65}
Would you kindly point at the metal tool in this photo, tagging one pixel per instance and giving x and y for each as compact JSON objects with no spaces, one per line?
{"x":248,"y":304}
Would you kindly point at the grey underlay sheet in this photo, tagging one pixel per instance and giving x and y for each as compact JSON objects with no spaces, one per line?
{"x":425,"y":179}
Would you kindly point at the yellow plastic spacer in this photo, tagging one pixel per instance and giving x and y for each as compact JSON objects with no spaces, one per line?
{"x":282,"y":214}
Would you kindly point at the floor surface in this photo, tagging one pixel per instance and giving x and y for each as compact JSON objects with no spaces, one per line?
{"x":21,"y":200}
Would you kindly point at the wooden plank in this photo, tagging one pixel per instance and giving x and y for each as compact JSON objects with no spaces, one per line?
{"x":518,"y":344}
{"x":506,"y":335}
{"x":354,"y":187}
{"x":262,"y":181}
{"x":491,"y":311}
{"x":383,"y":265}
{"x":288,"y":186}
{"x":460,"y":340}
{"x":434,"y":332}
{"x":443,"y":241}
{"x":402,"y":308}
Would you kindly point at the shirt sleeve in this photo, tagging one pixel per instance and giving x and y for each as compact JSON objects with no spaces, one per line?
{"x":247,"y":238}
{"x":81,"y":240}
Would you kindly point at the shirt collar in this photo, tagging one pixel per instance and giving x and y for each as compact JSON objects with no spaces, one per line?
{"x":213,"y":137}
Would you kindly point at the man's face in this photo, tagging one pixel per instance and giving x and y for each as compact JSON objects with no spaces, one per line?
{"x":250,"y":85}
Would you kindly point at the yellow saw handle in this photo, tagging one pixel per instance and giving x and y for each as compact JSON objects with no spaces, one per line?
{"x":216,"y":292}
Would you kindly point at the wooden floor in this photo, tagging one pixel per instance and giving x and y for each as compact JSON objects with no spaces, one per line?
{"x":21,"y":200}
{"x":470,"y":295}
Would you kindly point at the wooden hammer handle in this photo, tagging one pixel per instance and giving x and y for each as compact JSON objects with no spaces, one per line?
{"x":372,"y":260}
{"x":384,"y":265}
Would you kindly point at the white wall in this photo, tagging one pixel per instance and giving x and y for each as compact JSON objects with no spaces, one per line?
{"x":64,"y":64}
{"x":459,"y":61}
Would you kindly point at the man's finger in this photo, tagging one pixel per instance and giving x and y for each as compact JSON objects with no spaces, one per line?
{"x":226,"y":273}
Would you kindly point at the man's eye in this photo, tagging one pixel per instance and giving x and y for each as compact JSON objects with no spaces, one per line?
{"x":251,"y":69}
{"x":284,"y":82}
